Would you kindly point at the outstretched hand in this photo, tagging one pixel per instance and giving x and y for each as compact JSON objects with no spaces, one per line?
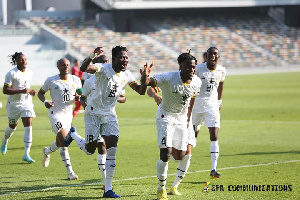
{"x":147,"y":70}
{"x":32,"y":92}
{"x":98,"y":51}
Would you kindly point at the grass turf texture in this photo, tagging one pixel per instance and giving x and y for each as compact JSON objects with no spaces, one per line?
{"x":260,"y":125}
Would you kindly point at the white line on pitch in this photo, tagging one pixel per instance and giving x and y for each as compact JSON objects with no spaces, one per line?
{"x":144,"y":177}
{"x":244,"y":121}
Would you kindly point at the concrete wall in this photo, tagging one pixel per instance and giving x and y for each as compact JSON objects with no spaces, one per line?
{"x":57,"y":4}
{"x":17,"y":5}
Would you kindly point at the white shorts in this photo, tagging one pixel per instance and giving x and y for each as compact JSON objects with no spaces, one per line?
{"x":60,"y":121}
{"x":171,"y":130}
{"x":17,"y":111}
{"x":210,"y":119}
{"x":96,"y":126}
{"x":192,"y":138}
{"x":100,"y":139}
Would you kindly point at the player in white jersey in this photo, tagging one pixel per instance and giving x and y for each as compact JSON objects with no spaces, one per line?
{"x":64,"y":88}
{"x":19,"y":103}
{"x":171,"y":119}
{"x":206,"y":108}
{"x":87,"y":91}
{"x":100,"y":59}
{"x":111,"y":80}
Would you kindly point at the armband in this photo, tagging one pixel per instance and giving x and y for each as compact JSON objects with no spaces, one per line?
{"x":79,"y":91}
{"x":93,"y":55}
{"x":220,"y":101}
{"x":45,"y":101}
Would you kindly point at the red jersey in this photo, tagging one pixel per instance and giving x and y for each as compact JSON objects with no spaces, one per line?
{"x":76,"y":71}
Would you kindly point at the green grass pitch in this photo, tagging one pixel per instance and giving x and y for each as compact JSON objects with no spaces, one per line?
{"x":259,"y":145}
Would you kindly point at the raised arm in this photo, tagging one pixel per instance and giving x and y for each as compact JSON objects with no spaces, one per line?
{"x":85,"y":66}
{"x":145,"y":81}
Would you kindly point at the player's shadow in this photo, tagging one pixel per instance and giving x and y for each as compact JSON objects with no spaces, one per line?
{"x":262,"y":153}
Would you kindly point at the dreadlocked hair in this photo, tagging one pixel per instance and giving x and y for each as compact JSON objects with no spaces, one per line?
{"x":14,"y":57}
{"x":115,"y":51}
{"x":186,"y":56}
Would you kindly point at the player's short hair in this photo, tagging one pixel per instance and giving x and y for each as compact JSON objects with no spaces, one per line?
{"x":186,"y":56}
{"x":14,"y":56}
{"x":115,"y":51}
{"x":211,"y":48}
{"x":60,"y":60}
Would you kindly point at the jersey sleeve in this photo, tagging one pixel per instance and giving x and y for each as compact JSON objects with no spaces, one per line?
{"x":160,"y":79}
{"x":99,"y":67}
{"x":8,"y":79}
{"x":86,"y":90}
{"x":130,"y":80}
{"x":78,"y":82}
{"x":46,"y":86}
{"x":223,"y":74}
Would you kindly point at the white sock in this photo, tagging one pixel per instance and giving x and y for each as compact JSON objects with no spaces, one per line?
{"x":162,"y":173}
{"x":101,"y":158}
{"x":110,"y":166}
{"x":7,"y":134}
{"x":52,"y":148}
{"x":64,"y":154}
{"x":182,"y":169}
{"x":80,"y":141}
{"x":214,"y":153}
{"x":27,"y":139}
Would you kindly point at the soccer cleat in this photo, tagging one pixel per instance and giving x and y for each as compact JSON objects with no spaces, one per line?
{"x":72,"y":176}
{"x":68,"y":139}
{"x":110,"y":194}
{"x":214,"y":174}
{"x":162,"y":195}
{"x":46,"y":158}
{"x":174,"y":191}
{"x":28,"y":159}
{"x":3,"y":148}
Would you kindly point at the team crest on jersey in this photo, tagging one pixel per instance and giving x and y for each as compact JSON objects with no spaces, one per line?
{"x":73,"y":87}
{"x":123,"y":83}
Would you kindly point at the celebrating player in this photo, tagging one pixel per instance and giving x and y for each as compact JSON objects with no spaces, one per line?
{"x":100,"y":59}
{"x":64,"y":88}
{"x":171,"y":119}
{"x":100,"y":115}
{"x":19,"y":102}
{"x":206,"y":107}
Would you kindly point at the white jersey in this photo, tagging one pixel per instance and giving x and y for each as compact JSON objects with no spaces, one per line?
{"x":17,"y":80}
{"x":109,"y":86}
{"x":62,"y":92}
{"x":89,"y":88}
{"x":176,"y":95}
{"x":86,"y":76}
{"x":208,"y":95}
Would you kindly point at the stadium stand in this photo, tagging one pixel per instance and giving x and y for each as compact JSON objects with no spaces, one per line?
{"x":247,"y":41}
{"x":85,"y":36}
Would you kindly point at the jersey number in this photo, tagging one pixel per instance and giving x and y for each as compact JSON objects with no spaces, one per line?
{"x":163,"y":141}
{"x":58,"y":125}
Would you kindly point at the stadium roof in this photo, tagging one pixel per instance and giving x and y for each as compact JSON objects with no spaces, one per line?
{"x":165,"y":4}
